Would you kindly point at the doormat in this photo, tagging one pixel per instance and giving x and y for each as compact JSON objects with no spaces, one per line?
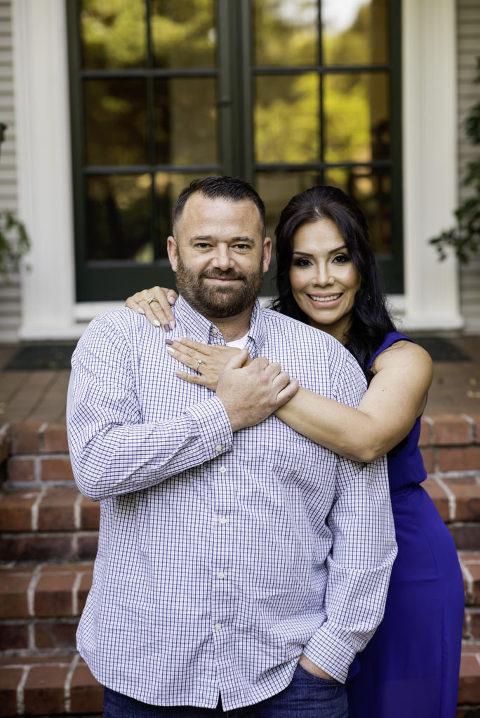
{"x":439,"y":348}
{"x":35,"y":357}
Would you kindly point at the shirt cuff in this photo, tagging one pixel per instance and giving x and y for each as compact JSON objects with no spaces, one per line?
{"x":330,"y":653}
{"x":213,"y":426}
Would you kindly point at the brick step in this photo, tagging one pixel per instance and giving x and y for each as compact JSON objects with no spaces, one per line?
{"x":48,"y":685}
{"x":62,"y":685}
{"x":48,"y":523}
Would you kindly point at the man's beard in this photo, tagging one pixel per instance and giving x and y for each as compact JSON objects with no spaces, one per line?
{"x":217,"y":301}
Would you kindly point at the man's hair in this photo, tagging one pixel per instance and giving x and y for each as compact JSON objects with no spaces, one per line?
{"x":220,"y":187}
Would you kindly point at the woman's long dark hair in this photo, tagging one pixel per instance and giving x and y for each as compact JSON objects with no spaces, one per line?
{"x":370,"y":318}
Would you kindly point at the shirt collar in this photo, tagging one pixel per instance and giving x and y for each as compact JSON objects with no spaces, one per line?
{"x":201,"y":329}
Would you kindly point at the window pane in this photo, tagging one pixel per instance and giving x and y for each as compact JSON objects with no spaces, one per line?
{"x":118,"y":218}
{"x":356,"y":117}
{"x":183,"y":33}
{"x":277,"y":188}
{"x":186,"y":121}
{"x":115,"y":122}
{"x":287,"y":118}
{"x":113,"y":34}
{"x":285,"y":32}
{"x":168,"y":186}
{"x":355,"y":32}
{"x":372,"y":190}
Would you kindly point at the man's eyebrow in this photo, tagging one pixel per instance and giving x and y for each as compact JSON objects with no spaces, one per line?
{"x":209,"y":238}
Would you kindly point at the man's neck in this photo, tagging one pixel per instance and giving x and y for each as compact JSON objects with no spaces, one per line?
{"x":233,"y":327}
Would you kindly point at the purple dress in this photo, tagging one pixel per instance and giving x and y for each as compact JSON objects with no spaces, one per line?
{"x":411,"y":665}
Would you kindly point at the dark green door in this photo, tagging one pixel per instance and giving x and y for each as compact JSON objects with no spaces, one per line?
{"x":283,"y":93}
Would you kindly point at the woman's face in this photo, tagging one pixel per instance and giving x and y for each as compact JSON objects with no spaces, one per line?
{"x":323,"y":278}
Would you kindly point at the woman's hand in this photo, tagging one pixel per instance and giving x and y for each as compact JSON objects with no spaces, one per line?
{"x":207,"y":360}
{"x":155,"y":303}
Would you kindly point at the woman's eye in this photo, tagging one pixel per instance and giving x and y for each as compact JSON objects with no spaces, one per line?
{"x":341,"y":259}
{"x":301,"y":262}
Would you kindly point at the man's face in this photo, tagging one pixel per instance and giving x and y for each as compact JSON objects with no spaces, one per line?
{"x":219,"y":255}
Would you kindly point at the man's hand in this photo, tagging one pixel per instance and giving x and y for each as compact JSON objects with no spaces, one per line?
{"x":251,"y":393}
{"x":312,"y":667}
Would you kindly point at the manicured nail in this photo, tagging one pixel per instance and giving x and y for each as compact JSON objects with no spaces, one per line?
{"x":170,"y":351}
{"x":166,"y":327}
{"x":171,"y":300}
{"x":156,"y":322}
{"x":140,"y":311}
{"x":172,"y":324}
{"x":168,"y":341}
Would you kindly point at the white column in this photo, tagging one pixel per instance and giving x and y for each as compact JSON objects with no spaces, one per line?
{"x":430,"y":161}
{"x":44,"y":166}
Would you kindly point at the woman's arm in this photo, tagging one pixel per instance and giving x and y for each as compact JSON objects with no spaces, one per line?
{"x":387,"y":412}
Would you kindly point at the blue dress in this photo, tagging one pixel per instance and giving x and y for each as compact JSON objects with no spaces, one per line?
{"x":410,"y":667}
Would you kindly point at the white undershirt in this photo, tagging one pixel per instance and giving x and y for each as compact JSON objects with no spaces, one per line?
{"x":239,"y":343}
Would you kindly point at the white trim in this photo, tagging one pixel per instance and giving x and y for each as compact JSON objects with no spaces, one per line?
{"x":44,"y":168}
{"x":429,"y":161}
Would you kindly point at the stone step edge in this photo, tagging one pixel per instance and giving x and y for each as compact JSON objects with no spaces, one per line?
{"x":63,"y":685}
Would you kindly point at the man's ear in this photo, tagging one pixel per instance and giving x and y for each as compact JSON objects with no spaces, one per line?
{"x":267,"y":253}
{"x":172,"y":252}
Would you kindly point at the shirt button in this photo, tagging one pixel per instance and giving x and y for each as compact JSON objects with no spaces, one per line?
{"x":218,"y":447}
{"x":222,"y":469}
{"x":220,"y":575}
{"x":218,"y":626}
{"x":223,"y":521}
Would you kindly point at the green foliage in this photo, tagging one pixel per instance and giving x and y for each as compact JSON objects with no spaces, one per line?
{"x":464,"y":238}
{"x":14,"y":243}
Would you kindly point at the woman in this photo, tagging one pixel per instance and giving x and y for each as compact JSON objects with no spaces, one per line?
{"x":327,"y":277}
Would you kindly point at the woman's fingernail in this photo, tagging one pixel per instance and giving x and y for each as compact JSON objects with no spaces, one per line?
{"x":156,"y":322}
{"x":171,"y":300}
{"x":140,"y":311}
{"x":170,"y":351}
{"x":167,"y":327}
{"x":168,"y":341}
{"x":172,"y":324}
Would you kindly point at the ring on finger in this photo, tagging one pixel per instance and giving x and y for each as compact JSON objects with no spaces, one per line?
{"x":199,"y":361}
{"x":152,"y":299}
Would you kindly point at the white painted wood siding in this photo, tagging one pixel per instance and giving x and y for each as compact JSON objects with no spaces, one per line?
{"x":468,"y":24}
{"x":9,"y":292}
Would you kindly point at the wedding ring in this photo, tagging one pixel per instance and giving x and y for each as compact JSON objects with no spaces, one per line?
{"x":199,"y":361}
{"x":152,"y":299}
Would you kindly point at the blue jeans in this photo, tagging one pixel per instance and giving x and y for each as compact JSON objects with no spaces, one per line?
{"x":307,"y":696}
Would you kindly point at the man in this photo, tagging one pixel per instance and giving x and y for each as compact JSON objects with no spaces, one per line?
{"x":232,"y":572}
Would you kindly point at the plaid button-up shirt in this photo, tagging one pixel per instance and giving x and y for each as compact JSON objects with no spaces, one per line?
{"x":221,"y":557}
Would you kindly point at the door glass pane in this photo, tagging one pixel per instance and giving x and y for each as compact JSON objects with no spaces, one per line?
{"x":113,"y":34}
{"x":354,"y":32}
{"x":186,"y":121}
{"x":372,"y":190}
{"x":115,"y":122}
{"x":287,"y":118}
{"x":168,"y":186}
{"x":277,"y":188}
{"x":285,"y":32}
{"x":183,"y":33}
{"x":118,"y":218}
{"x":356,"y":117}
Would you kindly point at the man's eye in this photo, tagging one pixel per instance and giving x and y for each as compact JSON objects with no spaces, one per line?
{"x":202,"y":245}
{"x":242,"y":246}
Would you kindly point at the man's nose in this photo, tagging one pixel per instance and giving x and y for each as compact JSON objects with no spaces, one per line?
{"x":222,"y":258}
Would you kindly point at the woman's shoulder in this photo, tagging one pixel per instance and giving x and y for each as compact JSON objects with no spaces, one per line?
{"x":403,"y":352}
